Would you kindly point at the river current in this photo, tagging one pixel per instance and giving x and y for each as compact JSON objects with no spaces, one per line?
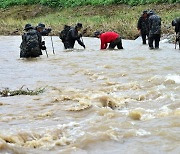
{"x":95,"y":102}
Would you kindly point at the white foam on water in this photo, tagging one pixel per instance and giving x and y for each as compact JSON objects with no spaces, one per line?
{"x":142,"y":132}
{"x":175,"y":77}
{"x":147,"y":117}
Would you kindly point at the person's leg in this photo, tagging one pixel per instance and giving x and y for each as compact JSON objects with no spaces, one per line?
{"x":143,"y":38}
{"x":65,"y":45}
{"x":150,"y":41}
{"x":119,"y":43}
{"x":69,"y":44}
{"x":112,"y":45}
{"x":157,"y":39}
{"x":178,"y":39}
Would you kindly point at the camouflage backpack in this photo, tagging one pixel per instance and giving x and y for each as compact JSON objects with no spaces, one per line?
{"x":64,"y":32}
{"x":32,"y":40}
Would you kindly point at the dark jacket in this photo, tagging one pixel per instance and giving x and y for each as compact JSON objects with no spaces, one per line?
{"x":143,"y":25}
{"x":176,"y":23}
{"x":45,"y":31}
{"x":73,"y":36}
{"x":154,"y":24}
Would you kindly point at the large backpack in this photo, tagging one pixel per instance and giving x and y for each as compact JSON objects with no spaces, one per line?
{"x":64,"y":32}
{"x":32,"y":40}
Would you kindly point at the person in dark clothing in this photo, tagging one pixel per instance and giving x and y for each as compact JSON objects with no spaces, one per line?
{"x":154,"y":29}
{"x":41,"y":32}
{"x":142,"y":26}
{"x":73,"y":36}
{"x":31,"y":43}
{"x":44,"y":31}
{"x":63,"y":34}
{"x":112,"y":38}
{"x":176,"y":23}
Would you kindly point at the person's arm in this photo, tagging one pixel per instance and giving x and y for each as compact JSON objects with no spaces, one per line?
{"x":139,"y":24}
{"x":103,"y":44}
{"x":46,"y":32}
{"x":150,"y":22}
{"x":80,"y":42}
{"x":24,"y":38}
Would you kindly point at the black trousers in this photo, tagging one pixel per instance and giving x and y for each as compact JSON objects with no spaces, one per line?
{"x":177,"y":41}
{"x":69,"y":44}
{"x":117,"y":42}
{"x":143,"y":35}
{"x":156,"y":38}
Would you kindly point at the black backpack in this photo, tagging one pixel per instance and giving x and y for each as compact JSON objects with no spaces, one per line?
{"x":64,"y":32}
{"x":32,"y":40}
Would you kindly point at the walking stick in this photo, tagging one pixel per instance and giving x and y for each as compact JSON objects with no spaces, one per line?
{"x":82,"y":40}
{"x":52,"y":45}
{"x":46,"y":53}
{"x":176,"y":41}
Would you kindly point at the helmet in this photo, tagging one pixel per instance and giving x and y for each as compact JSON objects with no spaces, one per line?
{"x":40,"y":25}
{"x":28,"y":26}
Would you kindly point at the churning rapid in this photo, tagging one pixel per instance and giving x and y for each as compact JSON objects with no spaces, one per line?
{"x":118,"y":101}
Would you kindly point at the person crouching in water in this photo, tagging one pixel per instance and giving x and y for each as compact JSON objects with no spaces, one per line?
{"x":31,"y":43}
{"x":73,"y":36}
{"x":142,"y":26}
{"x":109,"y":37}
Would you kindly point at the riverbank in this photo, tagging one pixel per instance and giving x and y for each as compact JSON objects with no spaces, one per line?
{"x":119,"y":18}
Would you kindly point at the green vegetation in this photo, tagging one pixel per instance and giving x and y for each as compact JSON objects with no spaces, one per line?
{"x":72,"y":3}
{"x":120,"y":18}
{"x":7,"y":92}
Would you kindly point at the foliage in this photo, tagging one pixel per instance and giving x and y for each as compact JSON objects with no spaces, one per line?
{"x":7,"y":92}
{"x":72,"y":3}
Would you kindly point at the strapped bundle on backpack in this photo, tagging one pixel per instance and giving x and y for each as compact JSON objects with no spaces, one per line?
{"x":30,"y":46}
{"x":64,"y":32}
{"x":32,"y":40}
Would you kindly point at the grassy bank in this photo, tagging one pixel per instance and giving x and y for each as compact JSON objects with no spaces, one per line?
{"x":72,"y":3}
{"x":120,"y":18}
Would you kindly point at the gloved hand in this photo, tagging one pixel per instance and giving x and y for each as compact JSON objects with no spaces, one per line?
{"x":84,"y":46}
{"x":43,"y":47}
{"x":49,"y":30}
{"x":43,"y":43}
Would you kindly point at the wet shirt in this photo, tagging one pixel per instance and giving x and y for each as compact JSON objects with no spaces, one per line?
{"x":143,"y":25}
{"x":177,"y":25}
{"x":154,"y":24}
{"x":73,"y":36}
{"x":107,"y":37}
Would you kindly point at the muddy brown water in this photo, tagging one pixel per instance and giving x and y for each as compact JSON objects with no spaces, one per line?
{"x":119,"y":101}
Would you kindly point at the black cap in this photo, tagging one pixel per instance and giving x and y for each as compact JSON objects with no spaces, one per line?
{"x":28,"y":26}
{"x":79,"y":25}
{"x":40,"y":25}
{"x":97,"y":33}
{"x":145,"y":12}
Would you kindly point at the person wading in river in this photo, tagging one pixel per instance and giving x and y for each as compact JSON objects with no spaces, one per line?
{"x":176,"y":23}
{"x":142,"y":26}
{"x":31,"y":43}
{"x":154,"y":30}
{"x":109,"y":37}
{"x":42,"y":30}
{"x":73,"y":36}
